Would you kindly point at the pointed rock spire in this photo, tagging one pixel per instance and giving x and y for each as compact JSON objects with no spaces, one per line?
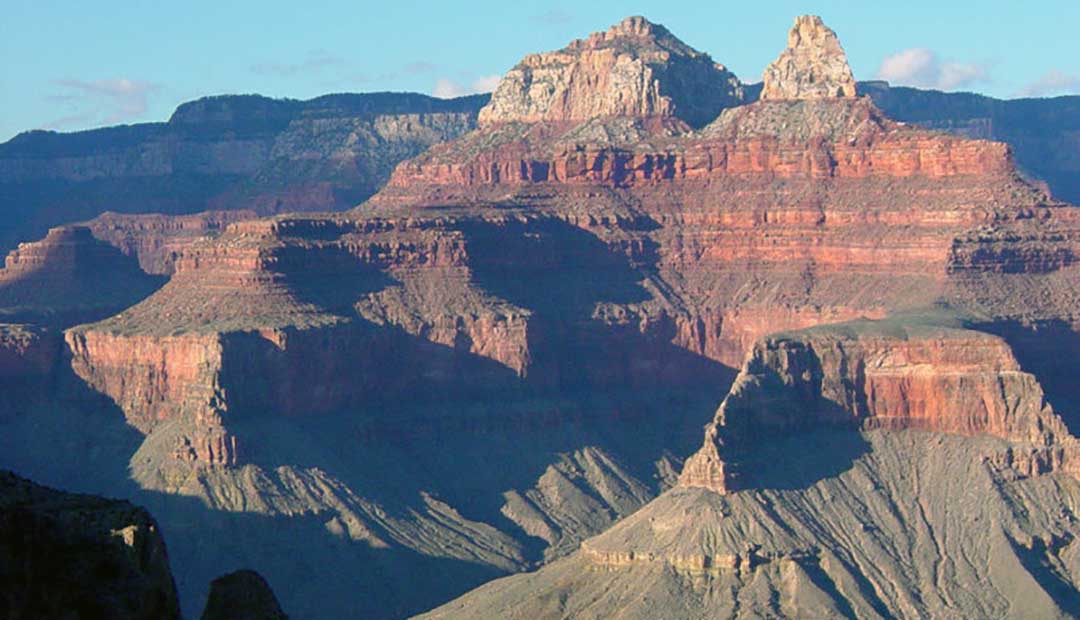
{"x":636,"y":68}
{"x":813,"y":66}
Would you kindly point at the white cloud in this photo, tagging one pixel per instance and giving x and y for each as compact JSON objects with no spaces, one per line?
{"x":445,"y":88}
{"x":108,"y":101}
{"x":921,"y":67}
{"x":486,"y":84}
{"x":1052,"y":83}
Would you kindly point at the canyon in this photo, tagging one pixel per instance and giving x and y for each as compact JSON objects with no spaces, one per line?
{"x":502,"y":360}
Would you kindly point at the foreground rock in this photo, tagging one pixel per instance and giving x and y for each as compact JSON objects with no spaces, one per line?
{"x":64,"y":556}
{"x":243,"y":595}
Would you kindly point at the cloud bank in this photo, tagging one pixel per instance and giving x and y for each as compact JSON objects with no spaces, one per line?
{"x":445,"y":88}
{"x":919,"y":66}
{"x":1052,"y":83}
{"x":106,"y":101}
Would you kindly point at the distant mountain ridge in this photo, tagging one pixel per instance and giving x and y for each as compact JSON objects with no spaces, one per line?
{"x":250,"y":152}
{"x":226,"y":152}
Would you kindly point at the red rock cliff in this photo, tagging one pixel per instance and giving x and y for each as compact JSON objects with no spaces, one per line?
{"x":882,"y":375}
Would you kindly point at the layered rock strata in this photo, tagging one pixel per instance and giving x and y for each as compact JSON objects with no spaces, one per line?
{"x":69,"y":276}
{"x":779,"y":214}
{"x":635,"y":69}
{"x":223,"y":153}
{"x":158,"y":240}
{"x":529,"y":279}
{"x":886,"y":375}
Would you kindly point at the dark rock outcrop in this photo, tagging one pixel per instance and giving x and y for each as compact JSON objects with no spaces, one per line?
{"x":242,"y":595}
{"x":78,"y":556}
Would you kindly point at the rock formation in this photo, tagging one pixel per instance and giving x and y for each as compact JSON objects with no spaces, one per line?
{"x":497,"y":356}
{"x":895,"y":524}
{"x":635,"y":69}
{"x":158,"y":240}
{"x":813,"y":66}
{"x":66,"y":556}
{"x":891,"y":375}
{"x":1031,"y":127}
{"x":242,"y":595}
{"x":69,"y":276}
{"x":223,"y":153}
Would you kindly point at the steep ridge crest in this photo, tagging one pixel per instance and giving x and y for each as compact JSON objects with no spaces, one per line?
{"x":635,"y":69}
{"x":813,"y":66}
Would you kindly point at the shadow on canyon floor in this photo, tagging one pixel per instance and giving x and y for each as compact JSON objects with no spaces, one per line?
{"x":69,"y":436}
{"x":314,"y":573}
{"x":1037,"y":562}
{"x":800,"y":461}
{"x":396,"y":418}
{"x":1048,"y":351}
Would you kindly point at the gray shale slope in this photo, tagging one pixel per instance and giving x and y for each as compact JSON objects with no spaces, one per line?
{"x":896,"y":524}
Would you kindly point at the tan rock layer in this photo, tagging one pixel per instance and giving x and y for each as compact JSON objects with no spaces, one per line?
{"x":635,"y":69}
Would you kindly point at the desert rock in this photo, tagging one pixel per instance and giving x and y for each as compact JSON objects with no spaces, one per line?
{"x":813,"y":66}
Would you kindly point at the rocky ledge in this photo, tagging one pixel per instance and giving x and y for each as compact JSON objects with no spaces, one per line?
{"x":892,"y":374}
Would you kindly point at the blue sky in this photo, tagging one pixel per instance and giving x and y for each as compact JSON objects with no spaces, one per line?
{"x":70,"y":65}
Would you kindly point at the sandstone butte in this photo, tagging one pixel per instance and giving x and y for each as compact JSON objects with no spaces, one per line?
{"x":588,"y":237}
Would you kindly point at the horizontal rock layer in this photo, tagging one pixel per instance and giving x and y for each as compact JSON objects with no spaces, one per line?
{"x":224,"y":153}
{"x":882,"y":375}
